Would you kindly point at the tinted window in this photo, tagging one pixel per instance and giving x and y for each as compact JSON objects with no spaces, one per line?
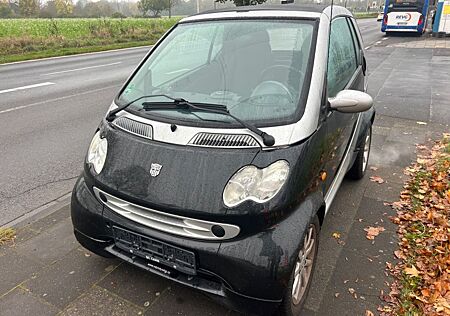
{"x":342,"y":57}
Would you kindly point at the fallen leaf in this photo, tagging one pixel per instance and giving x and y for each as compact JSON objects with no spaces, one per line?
{"x":372,"y":232}
{"x":373,"y":168}
{"x":425,"y":292}
{"x":337,"y":294}
{"x":399,"y":254}
{"x":411,"y":271}
{"x":336,"y":235}
{"x":377,"y":179}
{"x":368,"y":313}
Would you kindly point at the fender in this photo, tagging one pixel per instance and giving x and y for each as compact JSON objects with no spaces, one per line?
{"x":266,"y":260}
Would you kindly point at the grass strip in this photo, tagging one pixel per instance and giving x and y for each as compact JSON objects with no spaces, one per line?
{"x":6,"y":235}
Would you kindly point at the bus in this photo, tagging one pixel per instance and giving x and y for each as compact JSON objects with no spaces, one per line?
{"x":406,"y":15}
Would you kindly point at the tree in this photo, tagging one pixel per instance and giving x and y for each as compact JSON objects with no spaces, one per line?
{"x":28,"y":8}
{"x":154,"y":6}
{"x":239,"y":3}
{"x":64,"y":7}
{"x":92,"y":10}
{"x":5,"y":10}
{"x":49,"y":10}
{"x":105,"y":8}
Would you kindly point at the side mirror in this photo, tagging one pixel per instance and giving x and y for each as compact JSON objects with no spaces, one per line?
{"x":351,"y":101}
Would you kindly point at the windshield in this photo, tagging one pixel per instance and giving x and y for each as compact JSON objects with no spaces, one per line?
{"x":256,"y":68}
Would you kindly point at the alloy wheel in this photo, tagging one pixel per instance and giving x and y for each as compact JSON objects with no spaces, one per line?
{"x":304,"y":265}
{"x":366,"y":151}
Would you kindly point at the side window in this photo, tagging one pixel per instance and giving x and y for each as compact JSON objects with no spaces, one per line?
{"x":351,"y":24}
{"x":342,"y":61}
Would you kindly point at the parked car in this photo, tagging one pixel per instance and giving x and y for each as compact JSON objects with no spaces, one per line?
{"x":380,"y":16}
{"x":221,"y":154}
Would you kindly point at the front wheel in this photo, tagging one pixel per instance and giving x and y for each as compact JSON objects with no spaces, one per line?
{"x":301,"y":277}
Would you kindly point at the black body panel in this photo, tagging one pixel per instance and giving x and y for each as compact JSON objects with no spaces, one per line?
{"x":188,"y":183}
{"x":247,"y":274}
{"x":258,"y":262}
{"x":192,"y":184}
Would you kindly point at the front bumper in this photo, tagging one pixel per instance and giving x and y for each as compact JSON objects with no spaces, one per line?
{"x":248,"y":274}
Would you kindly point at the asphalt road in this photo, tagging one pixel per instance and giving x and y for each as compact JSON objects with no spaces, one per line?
{"x":48,"y":111}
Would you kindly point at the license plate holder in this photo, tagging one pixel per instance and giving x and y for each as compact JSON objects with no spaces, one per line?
{"x":155,"y":251}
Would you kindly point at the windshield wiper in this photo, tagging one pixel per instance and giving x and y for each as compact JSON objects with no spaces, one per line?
{"x":110,"y":116}
{"x":181,"y":103}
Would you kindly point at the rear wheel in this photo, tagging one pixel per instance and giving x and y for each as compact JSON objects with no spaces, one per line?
{"x":359,"y":167}
{"x":301,"y":277}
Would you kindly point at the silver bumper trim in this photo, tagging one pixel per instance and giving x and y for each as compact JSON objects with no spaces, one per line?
{"x":169,"y":223}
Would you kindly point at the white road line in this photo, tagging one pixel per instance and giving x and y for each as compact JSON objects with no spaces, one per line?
{"x":57,"y":99}
{"x":27,"y":87}
{"x":366,"y":48}
{"x":78,"y":69}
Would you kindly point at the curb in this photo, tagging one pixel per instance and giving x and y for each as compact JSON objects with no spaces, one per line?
{"x":40,"y":212}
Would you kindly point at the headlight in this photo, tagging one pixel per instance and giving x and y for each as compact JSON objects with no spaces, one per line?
{"x":97,"y":152}
{"x":259,"y":185}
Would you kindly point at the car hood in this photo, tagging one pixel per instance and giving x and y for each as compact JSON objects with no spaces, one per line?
{"x":190,"y":180}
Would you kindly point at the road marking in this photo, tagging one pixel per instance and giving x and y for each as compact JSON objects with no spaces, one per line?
{"x":384,"y":38}
{"x":366,"y":48}
{"x":57,"y":99}
{"x":78,"y":69}
{"x":27,"y":87}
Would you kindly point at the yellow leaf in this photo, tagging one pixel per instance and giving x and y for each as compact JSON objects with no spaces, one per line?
{"x":412,"y":271}
{"x":336,"y":235}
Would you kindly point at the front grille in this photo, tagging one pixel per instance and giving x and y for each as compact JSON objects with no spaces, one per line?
{"x":223,"y":140}
{"x":169,"y":223}
{"x":134,"y":127}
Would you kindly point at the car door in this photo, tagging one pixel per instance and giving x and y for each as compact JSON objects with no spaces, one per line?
{"x":344,"y":71}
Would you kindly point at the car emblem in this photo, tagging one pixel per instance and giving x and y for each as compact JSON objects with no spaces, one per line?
{"x":155,"y":169}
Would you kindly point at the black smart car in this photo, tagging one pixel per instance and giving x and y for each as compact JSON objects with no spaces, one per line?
{"x":221,"y":155}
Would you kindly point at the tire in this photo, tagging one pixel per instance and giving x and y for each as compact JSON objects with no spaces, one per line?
{"x":292,"y":306}
{"x":359,"y":167}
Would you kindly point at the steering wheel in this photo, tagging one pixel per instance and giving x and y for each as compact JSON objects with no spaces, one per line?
{"x":270,"y":92}
{"x":273,"y":69}
{"x":270,"y":87}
